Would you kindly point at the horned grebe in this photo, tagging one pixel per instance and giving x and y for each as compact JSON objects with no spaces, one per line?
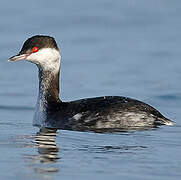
{"x":109,"y":113}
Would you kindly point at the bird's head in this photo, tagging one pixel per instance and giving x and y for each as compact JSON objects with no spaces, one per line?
{"x":40,"y":50}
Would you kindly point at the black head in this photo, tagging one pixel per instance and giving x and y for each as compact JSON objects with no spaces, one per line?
{"x":40,"y":42}
{"x":33,"y":45}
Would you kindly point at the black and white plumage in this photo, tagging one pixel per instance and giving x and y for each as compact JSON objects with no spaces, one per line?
{"x":109,"y":113}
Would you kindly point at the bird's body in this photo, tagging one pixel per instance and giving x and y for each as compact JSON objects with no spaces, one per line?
{"x":109,"y":113}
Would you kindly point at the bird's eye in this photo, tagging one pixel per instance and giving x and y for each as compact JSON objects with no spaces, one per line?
{"x":34,"y":49}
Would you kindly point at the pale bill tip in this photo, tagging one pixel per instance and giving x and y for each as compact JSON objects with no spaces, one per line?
{"x":17,"y":57}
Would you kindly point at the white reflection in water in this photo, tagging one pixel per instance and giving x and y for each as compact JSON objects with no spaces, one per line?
{"x":44,"y":163}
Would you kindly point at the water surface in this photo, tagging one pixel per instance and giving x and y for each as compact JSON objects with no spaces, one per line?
{"x":129,"y":48}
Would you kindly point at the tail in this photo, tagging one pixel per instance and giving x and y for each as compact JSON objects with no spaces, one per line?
{"x":164,"y":121}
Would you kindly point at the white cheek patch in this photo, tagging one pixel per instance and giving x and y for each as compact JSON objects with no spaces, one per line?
{"x":47,"y":58}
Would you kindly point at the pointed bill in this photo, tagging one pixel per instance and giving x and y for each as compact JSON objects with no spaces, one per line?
{"x":18,"y":57}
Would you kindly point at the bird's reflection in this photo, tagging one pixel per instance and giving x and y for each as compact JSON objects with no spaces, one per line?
{"x":44,"y":162}
{"x":47,"y":148}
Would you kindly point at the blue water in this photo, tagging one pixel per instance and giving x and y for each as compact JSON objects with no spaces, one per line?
{"x":129,"y":48}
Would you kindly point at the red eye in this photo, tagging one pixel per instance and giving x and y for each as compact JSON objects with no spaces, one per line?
{"x":34,"y":49}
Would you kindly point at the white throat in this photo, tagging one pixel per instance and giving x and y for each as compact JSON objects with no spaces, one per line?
{"x":47,"y":58}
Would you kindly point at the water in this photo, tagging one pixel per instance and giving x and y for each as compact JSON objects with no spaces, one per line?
{"x":129,"y":48}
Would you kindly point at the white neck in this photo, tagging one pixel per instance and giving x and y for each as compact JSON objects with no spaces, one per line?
{"x":48,"y":82}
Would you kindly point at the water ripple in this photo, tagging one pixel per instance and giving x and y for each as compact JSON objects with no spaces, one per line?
{"x":16,"y":108}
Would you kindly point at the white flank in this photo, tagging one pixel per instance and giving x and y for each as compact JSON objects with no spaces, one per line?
{"x":77,"y":116}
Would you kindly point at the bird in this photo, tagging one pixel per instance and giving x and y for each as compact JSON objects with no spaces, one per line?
{"x":98,"y":114}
